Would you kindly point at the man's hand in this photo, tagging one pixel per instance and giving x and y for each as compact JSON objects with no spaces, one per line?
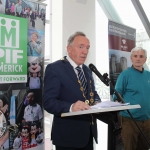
{"x":79,"y":105}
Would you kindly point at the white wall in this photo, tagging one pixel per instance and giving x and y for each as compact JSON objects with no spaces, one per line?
{"x":57,"y":22}
{"x":80,"y":17}
{"x":69,"y":16}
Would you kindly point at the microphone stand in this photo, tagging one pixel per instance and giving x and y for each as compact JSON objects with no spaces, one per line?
{"x":108,"y":81}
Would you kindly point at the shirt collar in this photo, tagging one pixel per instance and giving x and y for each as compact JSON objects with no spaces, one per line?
{"x":137,"y":69}
{"x":72,"y":62}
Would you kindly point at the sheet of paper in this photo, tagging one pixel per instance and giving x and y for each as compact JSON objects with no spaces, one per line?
{"x":108,"y":104}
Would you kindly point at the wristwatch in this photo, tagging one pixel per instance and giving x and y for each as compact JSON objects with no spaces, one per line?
{"x":3,"y":124}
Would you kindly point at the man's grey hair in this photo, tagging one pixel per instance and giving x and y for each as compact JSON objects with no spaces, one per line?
{"x":71,"y":38}
{"x":139,"y":49}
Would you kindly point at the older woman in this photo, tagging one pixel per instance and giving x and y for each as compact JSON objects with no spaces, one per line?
{"x":34,"y":45}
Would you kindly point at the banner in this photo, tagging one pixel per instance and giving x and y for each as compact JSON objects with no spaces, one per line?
{"x":22,"y":44}
{"x":13,"y":49}
{"x":121,"y":41}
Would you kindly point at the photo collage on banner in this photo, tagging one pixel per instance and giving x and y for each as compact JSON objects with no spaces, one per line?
{"x":121,"y":41}
{"x":21,"y":74}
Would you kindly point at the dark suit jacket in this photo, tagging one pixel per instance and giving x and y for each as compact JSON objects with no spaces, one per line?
{"x":61,"y":90}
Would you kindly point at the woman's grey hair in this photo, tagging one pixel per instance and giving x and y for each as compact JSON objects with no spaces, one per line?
{"x":139,"y":49}
{"x":71,"y":38}
{"x":35,"y":33}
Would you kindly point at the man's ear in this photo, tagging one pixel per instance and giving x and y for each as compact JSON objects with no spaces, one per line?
{"x":68,"y":49}
{"x":145,"y":59}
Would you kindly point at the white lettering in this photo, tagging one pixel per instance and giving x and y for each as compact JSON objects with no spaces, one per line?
{"x":10,"y":68}
{"x":11,"y":56}
{"x":1,"y":53}
{"x":13,"y":78}
{"x":8,"y":56}
{"x":16,"y":56}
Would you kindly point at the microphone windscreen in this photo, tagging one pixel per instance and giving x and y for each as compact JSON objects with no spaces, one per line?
{"x":92,"y":67}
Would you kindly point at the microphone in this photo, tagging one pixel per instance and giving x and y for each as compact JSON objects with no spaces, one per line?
{"x":93,"y":68}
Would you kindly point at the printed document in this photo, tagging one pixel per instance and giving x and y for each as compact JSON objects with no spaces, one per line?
{"x":108,"y":104}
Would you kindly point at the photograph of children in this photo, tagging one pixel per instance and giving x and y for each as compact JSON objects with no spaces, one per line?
{"x":35,"y":72}
{"x":4,"y":109}
{"x":28,"y":136}
{"x":34,"y":12}
{"x":31,"y":136}
{"x":35,"y":43}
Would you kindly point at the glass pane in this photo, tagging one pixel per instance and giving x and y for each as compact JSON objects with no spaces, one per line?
{"x":145,"y":5}
{"x":128,"y":14}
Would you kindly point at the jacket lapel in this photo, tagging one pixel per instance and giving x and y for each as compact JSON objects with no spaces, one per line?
{"x":70,"y":71}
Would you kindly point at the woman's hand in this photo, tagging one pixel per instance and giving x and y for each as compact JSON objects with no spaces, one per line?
{"x":3,"y":109}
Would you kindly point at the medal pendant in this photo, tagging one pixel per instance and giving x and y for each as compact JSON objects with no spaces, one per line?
{"x":92,"y":100}
{"x":87,"y":102}
{"x":91,"y":94}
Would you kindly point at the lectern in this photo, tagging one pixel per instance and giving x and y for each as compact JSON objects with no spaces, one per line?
{"x":109,"y":116}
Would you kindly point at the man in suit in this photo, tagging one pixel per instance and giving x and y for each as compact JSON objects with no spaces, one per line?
{"x":64,"y":92}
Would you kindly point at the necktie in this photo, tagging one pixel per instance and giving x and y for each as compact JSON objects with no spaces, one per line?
{"x":82,"y":79}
